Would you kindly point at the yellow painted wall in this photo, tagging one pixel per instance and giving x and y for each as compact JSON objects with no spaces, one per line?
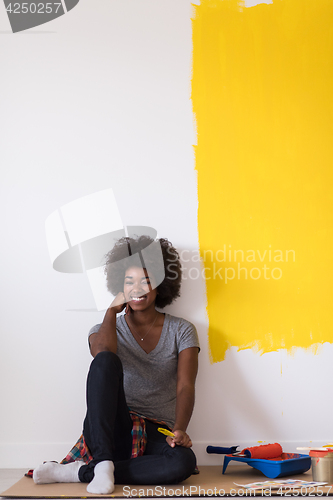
{"x":262,"y":98}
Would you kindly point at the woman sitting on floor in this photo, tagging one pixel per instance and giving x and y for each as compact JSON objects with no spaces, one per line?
{"x":142,"y":377}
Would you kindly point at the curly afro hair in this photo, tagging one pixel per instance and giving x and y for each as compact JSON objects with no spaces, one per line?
{"x":116,"y":265}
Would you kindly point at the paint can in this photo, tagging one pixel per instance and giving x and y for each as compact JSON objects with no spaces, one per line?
{"x":322,"y":466}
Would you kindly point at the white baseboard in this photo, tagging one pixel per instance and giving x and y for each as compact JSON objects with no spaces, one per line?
{"x":29,"y":455}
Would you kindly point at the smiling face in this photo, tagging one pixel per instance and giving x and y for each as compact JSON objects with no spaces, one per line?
{"x":138,"y":288}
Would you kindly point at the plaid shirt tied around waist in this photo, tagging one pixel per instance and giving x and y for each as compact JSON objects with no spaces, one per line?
{"x":80,"y":450}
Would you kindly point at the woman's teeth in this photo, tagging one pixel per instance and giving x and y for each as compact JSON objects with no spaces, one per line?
{"x":137,"y":299}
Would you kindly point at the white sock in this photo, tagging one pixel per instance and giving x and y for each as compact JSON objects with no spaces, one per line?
{"x":52,"y":472}
{"x":103,"y":482}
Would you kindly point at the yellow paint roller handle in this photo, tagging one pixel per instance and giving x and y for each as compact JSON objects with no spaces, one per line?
{"x":165,"y":431}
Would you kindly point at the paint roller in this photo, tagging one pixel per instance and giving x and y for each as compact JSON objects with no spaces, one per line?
{"x":264,"y":451}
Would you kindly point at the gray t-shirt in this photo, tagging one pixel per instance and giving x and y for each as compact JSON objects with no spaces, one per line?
{"x":150,"y":380}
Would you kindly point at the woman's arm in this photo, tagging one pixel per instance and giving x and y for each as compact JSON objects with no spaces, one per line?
{"x":186,"y":375}
{"x":106,"y":337}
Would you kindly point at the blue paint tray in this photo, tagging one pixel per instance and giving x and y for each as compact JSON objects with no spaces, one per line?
{"x":288,"y":464}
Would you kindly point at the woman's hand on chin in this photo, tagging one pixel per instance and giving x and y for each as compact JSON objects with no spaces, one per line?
{"x":118,"y":303}
{"x":180,"y":439}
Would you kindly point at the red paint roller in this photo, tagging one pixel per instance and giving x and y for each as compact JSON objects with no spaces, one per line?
{"x":263,"y":451}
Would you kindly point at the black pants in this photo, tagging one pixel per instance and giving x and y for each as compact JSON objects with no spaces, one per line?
{"x":107,"y":432}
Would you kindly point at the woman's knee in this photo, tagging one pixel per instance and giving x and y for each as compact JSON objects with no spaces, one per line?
{"x":184,"y":463}
{"x":105,"y":361}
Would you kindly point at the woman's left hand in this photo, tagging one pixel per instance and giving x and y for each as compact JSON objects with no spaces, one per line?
{"x":180,"y":439}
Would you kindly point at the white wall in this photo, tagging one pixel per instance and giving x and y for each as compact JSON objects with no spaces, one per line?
{"x":100,"y":98}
